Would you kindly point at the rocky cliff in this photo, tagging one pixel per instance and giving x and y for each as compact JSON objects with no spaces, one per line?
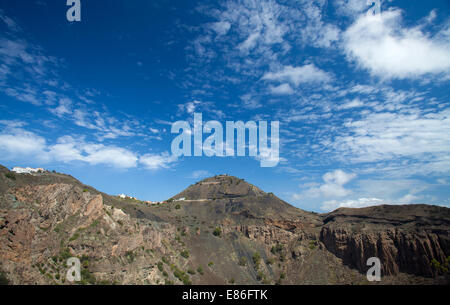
{"x":406,"y":238}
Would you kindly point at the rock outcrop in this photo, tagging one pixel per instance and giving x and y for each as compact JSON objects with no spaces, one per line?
{"x":406,"y":240}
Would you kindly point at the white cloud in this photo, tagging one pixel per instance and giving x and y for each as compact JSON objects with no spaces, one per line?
{"x":250,"y":102}
{"x":297,"y":75}
{"x":29,"y":75}
{"x":408,"y":199}
{"x":314,"y":30}
{"x":10,"y":23}
{"x":283,"y":89}
{"x":355,"y":103}
{"x":190,"y":107}
{"x":157,"y":161}
{"x":221,"y":28}
{"x":388,"y":50}
{"x":443,"y":181}
{"x":19,"y":53}
{"x":338,"y":177}
{"x":332,"y":205}
{"x":63,"y":108}
{"x":110,"y":155}
{"x":66,"y":150}
{"x":249,"y":43}
{"x":390,"y":188}
{"x":350,"y":7}
{"x":257,"y":22}
{"x":199,"y":174}
{"x":384,"y":136}
{"x":250,"y":35}
{"x":20,"y":142}
{"x":11,"y":124}
{"x":333,"y":186}
{"x":70,"y":149}
{"x":16,"y":142}
{"x":25,"y":95}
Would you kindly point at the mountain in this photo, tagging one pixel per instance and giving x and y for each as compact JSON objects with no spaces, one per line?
{"x":221,"y":230}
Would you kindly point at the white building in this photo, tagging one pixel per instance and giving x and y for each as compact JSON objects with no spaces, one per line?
{"x":123,"y":196}
{"x":27,"y":170}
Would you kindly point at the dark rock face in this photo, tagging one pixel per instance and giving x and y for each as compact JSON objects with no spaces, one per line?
{"x":402,"y":246}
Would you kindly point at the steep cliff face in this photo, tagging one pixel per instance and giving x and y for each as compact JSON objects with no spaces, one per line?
{"x":405,"y":238}
{"x":41,"y":226}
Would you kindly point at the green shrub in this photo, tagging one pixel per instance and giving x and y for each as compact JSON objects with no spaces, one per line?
{"x":10,"y":175}
{"x":191,"y":271}
{"x":441,"y":267}
{"x":160,"y":266}
{"x":277,"y":248}
{"x":242,"y":261}
{"x":260,"y":276}
{"x":217,"y":232}
{"x":177,"y":207}
{"x":231,"y":281}
{"x":184,"y":253}
{"x":130,"y":256}
{"x":200,"y":270}
{"x":186,"y":281}
{"x":180,"y":275}
{"x":64,"y":255}
{"x":3,"y":279}
{"x":270,"y":261}
{"x":57,"y":229}
{"x":256,"y":259}
{"x":87,"y":277}
{"x":210,"y":264}
{"x":74,"y":237}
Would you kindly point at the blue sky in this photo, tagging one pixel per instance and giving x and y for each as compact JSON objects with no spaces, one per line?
{"x":362,"y":100}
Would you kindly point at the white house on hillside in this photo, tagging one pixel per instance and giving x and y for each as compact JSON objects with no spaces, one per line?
{"x":28,"y":170}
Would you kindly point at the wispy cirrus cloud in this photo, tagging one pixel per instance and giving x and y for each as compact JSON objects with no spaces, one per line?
{"x":298,"y":75}
{"x":198,"y":174}
{"x":30,"y":75}
{"x":384,"y":136}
